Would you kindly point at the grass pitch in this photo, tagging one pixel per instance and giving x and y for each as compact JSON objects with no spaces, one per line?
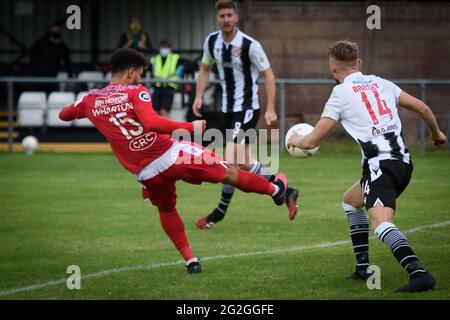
{"x":58,"y":210}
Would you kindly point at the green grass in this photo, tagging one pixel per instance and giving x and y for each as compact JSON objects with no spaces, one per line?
{"x":58,"y":210}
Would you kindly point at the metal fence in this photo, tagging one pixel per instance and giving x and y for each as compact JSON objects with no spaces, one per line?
{"x":281,"y":91}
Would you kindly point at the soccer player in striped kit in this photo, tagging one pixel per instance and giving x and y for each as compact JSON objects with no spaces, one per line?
{"x":366,"y":106}
{"x":239,"y":59}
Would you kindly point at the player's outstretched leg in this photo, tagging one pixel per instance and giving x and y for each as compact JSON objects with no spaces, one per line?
{"x":386,"y":231}
{"x":174,"y":228}
{"x":292,"y":194}
{"x":419,"y":278}
{"x":227,"y":193}
{"x":250,"y":182}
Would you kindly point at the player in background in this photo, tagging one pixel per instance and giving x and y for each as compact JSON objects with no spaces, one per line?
{"x":366,"y":106}
{"x":239,"y":59}
{"x":140,"y":139}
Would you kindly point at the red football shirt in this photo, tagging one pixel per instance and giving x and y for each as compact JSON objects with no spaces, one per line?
{"x":124,"y":115}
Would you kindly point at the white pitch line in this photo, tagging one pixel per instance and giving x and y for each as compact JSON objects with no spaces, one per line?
{"x":220,"y":257}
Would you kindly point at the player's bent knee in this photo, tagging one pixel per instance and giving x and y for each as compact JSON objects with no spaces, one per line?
{"x":245,"y":166}
{"x":350,"y":199}
{"x":231,"y":175}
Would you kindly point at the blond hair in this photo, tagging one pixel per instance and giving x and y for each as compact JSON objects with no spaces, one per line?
{"x":344,"y":52}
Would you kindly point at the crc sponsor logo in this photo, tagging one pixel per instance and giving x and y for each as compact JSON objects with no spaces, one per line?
{"x":144,"y":96}
{"x":115,"y":98}
{"x":143,"y":142}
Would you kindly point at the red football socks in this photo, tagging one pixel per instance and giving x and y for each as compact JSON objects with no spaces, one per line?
{"x":250,"y":182}
{"x":174,"y":228}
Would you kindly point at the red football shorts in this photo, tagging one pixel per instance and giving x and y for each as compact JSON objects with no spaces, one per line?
{"x":194,"y":164}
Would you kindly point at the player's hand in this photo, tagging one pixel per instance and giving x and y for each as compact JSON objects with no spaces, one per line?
{"x":270,"y":116}
{"x":440,"y":141}
{"x":294,"y":140}
{"x":199,"y":125}
{"x":197,"y":106}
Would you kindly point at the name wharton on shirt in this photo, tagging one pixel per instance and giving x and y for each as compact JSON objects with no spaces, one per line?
{"x":111,"y":104}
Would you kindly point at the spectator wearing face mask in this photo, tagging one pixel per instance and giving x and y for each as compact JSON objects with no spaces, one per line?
{"x":136,"y":38}
{"x":50,"y":54}
{"x":168,"y":66}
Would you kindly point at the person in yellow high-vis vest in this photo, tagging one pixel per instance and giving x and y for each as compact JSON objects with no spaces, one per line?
{"x":165,"y":65}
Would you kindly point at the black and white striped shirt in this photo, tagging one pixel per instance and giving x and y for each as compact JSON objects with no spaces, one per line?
{"x":366,"y":105}
{"x":239,"y":64}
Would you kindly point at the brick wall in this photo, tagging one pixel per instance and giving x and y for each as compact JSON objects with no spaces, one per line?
{"x":413,"y":43}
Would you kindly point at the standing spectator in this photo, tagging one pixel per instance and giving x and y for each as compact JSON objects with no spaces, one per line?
{"x":136,"y":38}
{"x":50,"y":54}
{"x":165,"y":65}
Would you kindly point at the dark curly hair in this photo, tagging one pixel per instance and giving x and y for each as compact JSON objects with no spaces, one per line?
{"x":123,"y":59}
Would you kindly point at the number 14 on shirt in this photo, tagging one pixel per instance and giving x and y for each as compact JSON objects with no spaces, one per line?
{"x":383,"y":109}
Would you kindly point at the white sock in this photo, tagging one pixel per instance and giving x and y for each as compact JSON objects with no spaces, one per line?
{"x":277,"y":188}
{"x":194,"y":259}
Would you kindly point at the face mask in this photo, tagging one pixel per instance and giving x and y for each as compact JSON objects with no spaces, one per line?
{"x":55,"y":35}
{"x":164,"y":52}
{"x":135,"y":27}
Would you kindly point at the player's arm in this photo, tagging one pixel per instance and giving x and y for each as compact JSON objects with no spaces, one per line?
{"x":203,"y":76}
{"x":411,"y":103}
{"x":72,"y":112}
{"x":270,"y":86}
{"x":202,"y":81}
{"x":147,"y":116}
{"x":259,"y":59}
{"x":315,"y":138}
{"x":154,"y":122}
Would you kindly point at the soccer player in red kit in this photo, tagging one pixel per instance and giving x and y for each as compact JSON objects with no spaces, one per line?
{"x":140,"y":139}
